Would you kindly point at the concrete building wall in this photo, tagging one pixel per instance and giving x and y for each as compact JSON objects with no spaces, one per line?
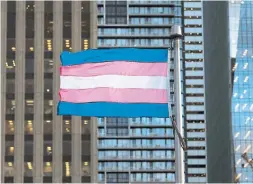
{"x":37,"y":144}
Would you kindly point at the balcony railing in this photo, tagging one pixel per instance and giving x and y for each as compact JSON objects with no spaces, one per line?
{"x":154,"y":2}
{"x":153,"y":180}
{"x":139,"y":123}
{"x":102,"y":134}
{"x":135,"y":146}
{"x":125,"y":168}
{"x":122,"y":157}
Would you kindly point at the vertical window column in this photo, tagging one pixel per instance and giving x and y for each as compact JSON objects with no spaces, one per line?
{"x":86,"y":137}
{"x":48,"y":92}
{"x":8,"y":87}
{"x":29,"y":94}
{"x":67,"y":125}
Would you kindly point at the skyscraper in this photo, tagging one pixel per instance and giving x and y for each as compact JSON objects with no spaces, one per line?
{"x":218,"y":89}
{"x":37,"y":145}
{"x":141,"y":148}
{"x":241,"y":31}
{"x":193,"y":57}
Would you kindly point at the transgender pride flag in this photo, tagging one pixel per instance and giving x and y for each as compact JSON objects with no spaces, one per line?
{"x":124,"y":82}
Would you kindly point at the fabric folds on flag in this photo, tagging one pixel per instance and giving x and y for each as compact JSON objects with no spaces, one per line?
{"x":125,"y":82}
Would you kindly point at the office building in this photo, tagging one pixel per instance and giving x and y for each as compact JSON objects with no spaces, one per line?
{"x":142,"y":149}
{"x":139,"y":149}
{"x":37,"y":145}
{"x":241,"y":39}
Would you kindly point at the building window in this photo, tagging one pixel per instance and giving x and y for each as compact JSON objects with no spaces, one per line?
{"x":9,"y":129}
{"x":29,"y":106}
{"x":48,"y":65}
{"x":85,"y":149}
{"x":10,"y":106}
{"x":10,"y":66}
{"x":85,"y":44}
{"x":66,"y":169}
{"x":48,"y":148}
{"x":116,"y":12}
{"x":11,"y":19}
{"x":85,"y":169}
{"x":29,"y":86}
{"x":67,"y":127}
{"x":9,"y":169}
{"x":48,"y":88}
{"x":48,"y":127}
{"x":67,"y":19}
{"x":29,"y":19}
{"x":48,"y":170}
{"x":111,"y":178}
{"x":28,"y":151}
{"x":86,"y":126}
{"x":67,"y":148}
{"x":67,"y":45}
{"x":11,"y":49}
{"x":9,"y":148}
{"x":48,"y":17}
{"x":28,"y":169}
{"x":85,"y":20}
{"x":48,"y":106}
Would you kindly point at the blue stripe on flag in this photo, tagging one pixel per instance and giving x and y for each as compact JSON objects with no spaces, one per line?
{"x":107,"y":109}
{"x":117,"y":54}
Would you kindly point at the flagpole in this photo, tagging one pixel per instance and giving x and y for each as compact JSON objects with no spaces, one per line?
{"x":175,"y":37}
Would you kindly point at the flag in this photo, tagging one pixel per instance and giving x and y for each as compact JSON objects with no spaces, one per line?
{"x":125,"y":82}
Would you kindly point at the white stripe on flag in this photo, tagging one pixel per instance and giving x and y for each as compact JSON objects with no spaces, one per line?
{"x":114,"y":81}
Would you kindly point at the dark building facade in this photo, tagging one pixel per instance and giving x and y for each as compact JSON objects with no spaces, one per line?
{"x":218,"y":89}
{"x":37,"y":145}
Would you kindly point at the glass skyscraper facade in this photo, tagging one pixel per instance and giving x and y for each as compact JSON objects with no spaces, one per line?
{"x":142,"y":149}
{"x":241,"y":32}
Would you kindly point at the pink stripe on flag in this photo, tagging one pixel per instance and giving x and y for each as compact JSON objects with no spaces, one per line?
{"x":114,"y":95}
{"x":115,"y":68}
